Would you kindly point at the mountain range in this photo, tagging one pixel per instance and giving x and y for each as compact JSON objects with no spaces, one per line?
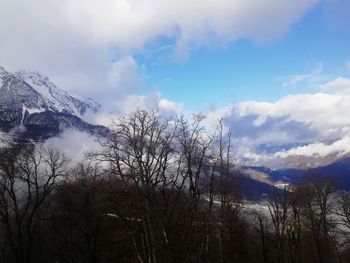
{"x":33,"y":107}
{"x":257,"y":181}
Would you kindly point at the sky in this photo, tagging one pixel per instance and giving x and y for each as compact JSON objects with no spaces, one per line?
{"x":277,"y":71}
{"x":249,"y":70}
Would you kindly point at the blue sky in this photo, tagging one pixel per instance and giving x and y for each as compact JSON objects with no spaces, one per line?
{"x":247,"y":70}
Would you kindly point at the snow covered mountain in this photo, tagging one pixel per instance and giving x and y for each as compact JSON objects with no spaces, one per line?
{"x":56,"y":99}
{"x":32,"y":105}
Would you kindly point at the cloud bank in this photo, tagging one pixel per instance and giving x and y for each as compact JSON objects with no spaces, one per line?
{"x":75,"y":144}
{"x":309,"y":125}
{"x":89,"y":45}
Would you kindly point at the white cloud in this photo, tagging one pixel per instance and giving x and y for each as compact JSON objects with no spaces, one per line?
{"x":339,"y":86}
{"x":126,"y":75}
{"x":108,"y":85}
{"x":66,"y":26}
{"x":312,"y":78}
{"x":168,"y":107}
{"x":321,"y":111}
{"x":74,"y":144}
{"x":73,"y":41}
{"x":212,"y":117}
{"x":291,"y":125}
{"x":130,"y":103}
{"x":130,"y":23}
{"x":318,"y":149}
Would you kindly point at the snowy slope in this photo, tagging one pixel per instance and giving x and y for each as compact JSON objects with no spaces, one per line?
{"x":33,"y":103}
{"x":56,"y":99}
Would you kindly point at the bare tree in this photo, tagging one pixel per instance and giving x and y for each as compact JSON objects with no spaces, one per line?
{"x":278,"y":205}
{"x":344,"y":208}
{"x":194,"y":151}
{"x":295,"y":226}
{"x":27,"y":177}
{"x":139,"y":152}
{"x":317,"y":195}
{"x":158,"y":161}
{"x":82,"y":225}
{"x":227,"y":193}
{"x":261,"y":226}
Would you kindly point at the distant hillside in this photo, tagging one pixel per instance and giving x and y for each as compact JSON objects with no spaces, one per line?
{"x":339,"y":171}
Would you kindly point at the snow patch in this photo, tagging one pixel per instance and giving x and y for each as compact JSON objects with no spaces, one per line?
{"x":57,"y":100}
{"x":30,"y":111}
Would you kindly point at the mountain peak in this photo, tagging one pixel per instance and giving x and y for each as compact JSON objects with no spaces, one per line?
{"x":30,"y":98}
{"x":3,"y":73}
{"x":44,"y":91}
{"x":35,"y":78}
